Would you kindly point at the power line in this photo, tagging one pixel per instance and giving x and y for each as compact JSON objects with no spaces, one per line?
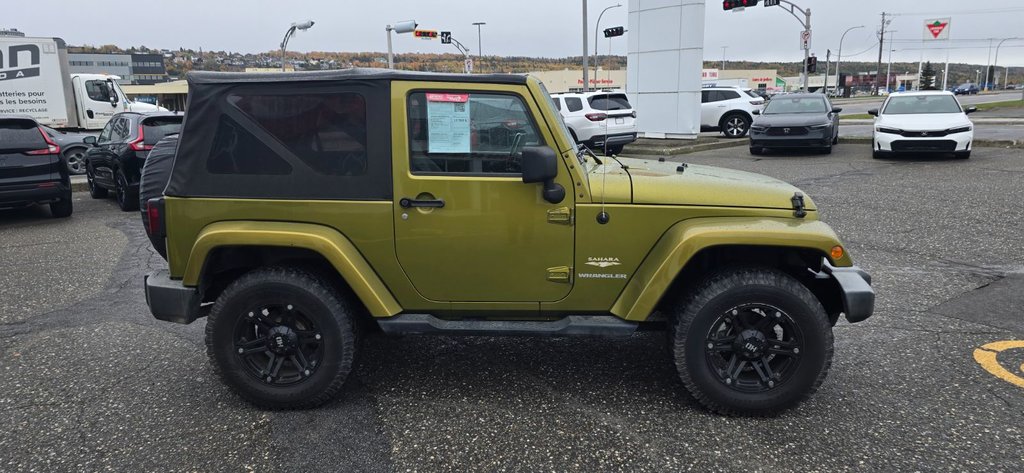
{"x":963,"y":12}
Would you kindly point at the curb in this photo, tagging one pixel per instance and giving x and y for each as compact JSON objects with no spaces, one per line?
{"x":678,"y":150}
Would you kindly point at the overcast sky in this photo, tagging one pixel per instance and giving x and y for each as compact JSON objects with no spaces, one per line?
{"x":550,"y":28}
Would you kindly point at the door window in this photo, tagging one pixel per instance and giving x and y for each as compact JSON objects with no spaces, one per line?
{"x":98,"y":90}
{"x":105,"y":134}
{"x":468,"y":133}
{"x":120,"y":131}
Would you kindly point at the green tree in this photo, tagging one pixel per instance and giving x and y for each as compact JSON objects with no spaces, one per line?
{"x":928,"y":77}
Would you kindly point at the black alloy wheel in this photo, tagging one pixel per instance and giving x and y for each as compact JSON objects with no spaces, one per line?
{"x":753,"y":347}
{"x":126,"y":199}
{"x":278,"y":344}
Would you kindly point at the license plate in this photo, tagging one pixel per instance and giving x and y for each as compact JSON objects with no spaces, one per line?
{"x":619,"y":121}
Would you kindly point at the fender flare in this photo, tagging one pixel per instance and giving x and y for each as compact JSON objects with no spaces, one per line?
{"x":687,"y":238}
{"x":325,"y":241}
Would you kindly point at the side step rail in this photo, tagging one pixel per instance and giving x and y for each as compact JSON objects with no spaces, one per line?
{"x":572,"y":325}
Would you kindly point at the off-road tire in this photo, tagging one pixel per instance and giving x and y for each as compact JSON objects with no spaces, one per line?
{"x":333,"y":313}
{"x":63,"y":207}
{"x":697,"y":311}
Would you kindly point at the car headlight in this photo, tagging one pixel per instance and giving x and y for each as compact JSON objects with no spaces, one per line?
{"x":819,"y":127}
{"x":758,"y":128}
{"x":892,"y":131}
{"x":961,"y":129}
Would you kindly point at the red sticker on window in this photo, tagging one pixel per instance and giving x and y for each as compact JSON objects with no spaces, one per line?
{"x":441,"y":97}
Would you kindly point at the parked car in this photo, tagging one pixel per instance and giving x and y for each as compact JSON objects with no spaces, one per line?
{"x":966,"y":89}
{"x":795,"y":121}
{"x":72,"y":147}
{"x":728,"y":109}
{"x":924,"y":121}
{"x":32,"y":170}
{"x":603,"y":121}
{"x":115,"y":160}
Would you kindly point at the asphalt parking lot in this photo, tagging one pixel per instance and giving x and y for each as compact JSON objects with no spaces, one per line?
{"x":91,"y":382}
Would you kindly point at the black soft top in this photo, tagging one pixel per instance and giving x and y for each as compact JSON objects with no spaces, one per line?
{"x":206,"y":77}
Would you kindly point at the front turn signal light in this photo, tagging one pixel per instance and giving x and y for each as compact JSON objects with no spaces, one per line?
{"x":837,"y":253}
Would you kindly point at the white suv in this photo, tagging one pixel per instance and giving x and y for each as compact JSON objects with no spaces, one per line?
{"x":603,"y":121}
{"x":728,"y":109}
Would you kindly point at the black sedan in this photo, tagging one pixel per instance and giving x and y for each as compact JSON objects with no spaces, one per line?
{"x":795,"y":121}
{"x":32,"y":170}
{"x":115,"y":161}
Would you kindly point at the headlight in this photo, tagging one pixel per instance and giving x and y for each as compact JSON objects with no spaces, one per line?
{"x":819,"y":127}
{"x":893,"y":131}
{"x":758,"y":128}
{"x":959,"y":130}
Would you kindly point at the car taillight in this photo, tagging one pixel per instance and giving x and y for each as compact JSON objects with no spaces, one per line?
{"x":757,"y":102}
{"x":154,"y":217}
{"x":138,"y":144}
{"x":51,"y":147}
{"x":633,"y":114}
{"x":596,"y":117}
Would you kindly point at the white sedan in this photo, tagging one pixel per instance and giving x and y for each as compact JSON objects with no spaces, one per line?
{"x":925,"y":121}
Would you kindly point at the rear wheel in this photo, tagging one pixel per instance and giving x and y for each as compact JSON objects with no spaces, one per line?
{"x":62,"y":208}
{"x":95,"y":191}
{"x":75,"y":158}
{"x":127,"y":198}
{"x":735,"y":125}
{"x":617,"y":149}
{"x":751,"y":342}
{"x":282,"y":338}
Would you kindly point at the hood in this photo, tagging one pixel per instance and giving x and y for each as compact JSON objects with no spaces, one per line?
{"x":656,"y":182}
{"x":924,"y":121}
{"x":792,"y":119}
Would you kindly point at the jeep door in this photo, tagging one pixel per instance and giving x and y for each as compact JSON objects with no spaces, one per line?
{"x":467,"y":229}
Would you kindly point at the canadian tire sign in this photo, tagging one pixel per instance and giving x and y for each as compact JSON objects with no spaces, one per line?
{"x":936,"y":29}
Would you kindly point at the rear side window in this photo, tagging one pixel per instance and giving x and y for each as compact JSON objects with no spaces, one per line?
{"x":557,"y":102}
{"x":236,"y":151}
{"x":609,"y":102}
{"x":327,"y":132}
{"x":752,"y":94}
{"x":20,"y":135}
{"x":574,"y":104}
{"x":728,"y":94}
{"x":156,"y":128}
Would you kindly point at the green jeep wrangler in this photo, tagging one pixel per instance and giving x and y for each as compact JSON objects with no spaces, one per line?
{"x":303,"y":209}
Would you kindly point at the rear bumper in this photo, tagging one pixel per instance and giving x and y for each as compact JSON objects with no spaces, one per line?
{"x":22,"y":195}
{"x":855,"y":288}
{"x":598,"y":141}
{"x":169,"y":300}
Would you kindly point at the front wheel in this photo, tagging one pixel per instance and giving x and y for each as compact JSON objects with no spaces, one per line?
{"x":735,"y":125}
{"x":282,"y":338}
{"x":756,"y":151}
{"x":751,"y":342}
{"x":95,"y":191}
{"x":962,"y":154}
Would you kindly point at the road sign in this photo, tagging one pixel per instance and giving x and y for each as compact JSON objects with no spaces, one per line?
{"x":771,"y":3}
{"x":446,"y":37}
{"x":936,"y":29}
{"x":425,"y":34}
{"x":469,"y":65}
{"x":805,"y":39}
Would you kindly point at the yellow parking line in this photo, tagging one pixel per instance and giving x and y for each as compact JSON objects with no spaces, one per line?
{"x":986,"y":357}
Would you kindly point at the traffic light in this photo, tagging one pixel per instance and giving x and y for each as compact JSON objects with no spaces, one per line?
{"x":812,"y":65}
{"x":614,"y":31}
{"x":731,"y":4}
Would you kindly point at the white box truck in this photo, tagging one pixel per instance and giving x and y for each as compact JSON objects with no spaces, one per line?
{"x":35,"y":81}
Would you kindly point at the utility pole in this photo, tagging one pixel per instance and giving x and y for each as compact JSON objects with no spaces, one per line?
{"x":586,"y":74}
{"x":479,"y":44}
{"x":878,"y":69}
{"x":723,"y":56}
{"x":828,"y":57}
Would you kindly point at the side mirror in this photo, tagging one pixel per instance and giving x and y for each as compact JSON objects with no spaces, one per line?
{"x":89,"y":140}
{"x":540,"y":164}
{"x":873,"y":112}
{"x":837,"y":109}
{"x":970,"y":109}
{"x":756,"y":112}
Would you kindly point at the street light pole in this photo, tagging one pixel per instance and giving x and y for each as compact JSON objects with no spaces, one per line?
{"x":597,"y":28}
{"x":995,"y":64}
{"x":479,"y":42}
{"x":723,"y":57}
{"x":839,"y":58}
{"x":303,"y":26}
{"x":586,"y":67}
{"x":407,"y":26}
{"x":806,"y":23}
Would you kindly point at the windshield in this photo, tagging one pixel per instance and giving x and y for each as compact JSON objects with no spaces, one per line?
{"x":908,"y":105}
{"x":796,"y":105}
{"x":561,"y":124}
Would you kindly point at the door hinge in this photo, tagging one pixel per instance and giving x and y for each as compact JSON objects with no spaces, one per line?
{"x":560,"y":274}
{"x":561,"y":215}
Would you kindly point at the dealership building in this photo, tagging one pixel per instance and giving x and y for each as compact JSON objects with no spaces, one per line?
{"x":137,"y":69}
